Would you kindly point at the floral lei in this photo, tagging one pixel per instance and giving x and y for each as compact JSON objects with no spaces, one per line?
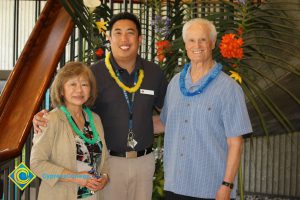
{"x":120,"y":84}
{"x":76,"y":129}
{"x":215,"y":72}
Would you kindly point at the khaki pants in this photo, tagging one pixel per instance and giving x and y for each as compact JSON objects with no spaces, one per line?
{"x":130,"y":178}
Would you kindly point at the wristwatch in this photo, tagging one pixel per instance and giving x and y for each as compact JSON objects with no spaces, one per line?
{"x":230,"y":185}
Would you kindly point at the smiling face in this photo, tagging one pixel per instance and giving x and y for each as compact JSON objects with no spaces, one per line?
{"x":76,"y":91}
{"x":198,"y":43}
{"x":124,"y":40}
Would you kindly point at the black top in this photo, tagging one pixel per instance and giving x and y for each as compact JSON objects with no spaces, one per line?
{"x":111,"y":104}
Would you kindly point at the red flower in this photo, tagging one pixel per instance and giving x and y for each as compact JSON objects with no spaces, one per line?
{"x":240,"y":30}
{"x":161,"y":57}
{"x":163,"y":44}
{"x":99,"y":52}
{"x":231,"y":46}
{"x":234,"y":65}
{"x":163,"y":47}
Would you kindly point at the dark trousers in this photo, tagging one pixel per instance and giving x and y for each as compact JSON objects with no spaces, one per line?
{"x":173,"y":196}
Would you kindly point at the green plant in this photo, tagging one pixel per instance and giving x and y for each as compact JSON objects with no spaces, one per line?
{"x":91,"y":21}
{"x":158,"y":179}
{"x":268,"y":33}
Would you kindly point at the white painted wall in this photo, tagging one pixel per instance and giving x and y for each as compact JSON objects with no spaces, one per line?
{"x":25,"y":26}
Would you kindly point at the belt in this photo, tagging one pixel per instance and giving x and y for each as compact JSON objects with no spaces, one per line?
{"x":131,"y":154}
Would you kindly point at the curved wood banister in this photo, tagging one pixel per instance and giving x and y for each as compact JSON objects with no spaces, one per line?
{"x":31,"y":76}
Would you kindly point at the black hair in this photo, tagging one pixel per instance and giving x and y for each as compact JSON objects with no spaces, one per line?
{"x":125,"y":16}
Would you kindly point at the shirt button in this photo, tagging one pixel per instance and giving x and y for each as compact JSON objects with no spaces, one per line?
{"x":188,"y":104}
{"x":186,"y":121}
{"x":181,"y":154}
{"x":183,"y":138}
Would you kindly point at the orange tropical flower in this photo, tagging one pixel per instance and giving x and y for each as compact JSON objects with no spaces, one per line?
{"x":161,"y":57}
{"x":160,"y":54}
{"x":231,"y":46}
{"x":163,"y":44}
{"x":163,"y":47}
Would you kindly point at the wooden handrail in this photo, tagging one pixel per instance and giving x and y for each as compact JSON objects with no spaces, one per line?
{"x":31,"y":76}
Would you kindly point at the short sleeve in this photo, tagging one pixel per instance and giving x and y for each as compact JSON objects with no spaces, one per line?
{"x":234,"y":112}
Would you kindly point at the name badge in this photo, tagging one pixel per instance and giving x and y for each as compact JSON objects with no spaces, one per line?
{"x":149,"y":92}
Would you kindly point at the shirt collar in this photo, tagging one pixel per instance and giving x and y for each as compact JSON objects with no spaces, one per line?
{"x":188,"y":78}
{"x":138,"y":63}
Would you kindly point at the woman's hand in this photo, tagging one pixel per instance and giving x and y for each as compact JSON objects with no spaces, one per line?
{"x":96,"y":184}
{"x":81,"y":178}
{"x":86,"y":179}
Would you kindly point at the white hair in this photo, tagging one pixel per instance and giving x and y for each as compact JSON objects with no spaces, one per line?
{"x":200,"y":21}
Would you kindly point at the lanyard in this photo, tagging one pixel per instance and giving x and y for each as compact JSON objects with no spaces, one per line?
{"x":129,"y":101}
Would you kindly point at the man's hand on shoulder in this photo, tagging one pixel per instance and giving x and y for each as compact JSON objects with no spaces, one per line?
{"x":39,"y":120}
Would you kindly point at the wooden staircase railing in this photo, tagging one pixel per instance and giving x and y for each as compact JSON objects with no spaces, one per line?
{"x":31,"y":76}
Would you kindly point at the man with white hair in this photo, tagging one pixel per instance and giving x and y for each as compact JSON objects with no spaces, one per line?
{"x":205,"y":116}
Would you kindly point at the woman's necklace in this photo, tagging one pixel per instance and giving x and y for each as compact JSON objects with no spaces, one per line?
{"x":76,"y":129}
{"x":200,"y":89}
{"x":117,"y":80}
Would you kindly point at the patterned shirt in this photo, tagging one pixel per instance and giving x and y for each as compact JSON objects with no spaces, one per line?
{"x":196,"y":132}
{"x":88,"y":157}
